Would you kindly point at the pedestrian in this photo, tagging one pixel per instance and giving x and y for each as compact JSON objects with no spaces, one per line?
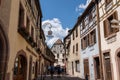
{"x":51,"y":71}
{"x":58,"y":71}
{"x":86,"y":77}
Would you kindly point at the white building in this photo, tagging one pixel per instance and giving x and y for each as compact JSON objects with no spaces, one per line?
{"x":59,"y":52}
{"x":110,"y":38}
{"x":89,"y":59}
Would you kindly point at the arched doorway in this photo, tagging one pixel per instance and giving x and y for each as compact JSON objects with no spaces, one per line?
{"x":118,"y":64}
{"x":20,"y":68}
{"x":3,"y":53}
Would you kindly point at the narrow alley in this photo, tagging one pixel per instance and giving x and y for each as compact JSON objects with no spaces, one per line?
{"x":63,"y":77}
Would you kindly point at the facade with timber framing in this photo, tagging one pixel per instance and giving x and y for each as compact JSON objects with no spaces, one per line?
{"x":89,"y":59}
{"x":110,"y":38}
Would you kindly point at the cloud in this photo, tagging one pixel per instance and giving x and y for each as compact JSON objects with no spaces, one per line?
{"x":82,"y":6}
{"x":57,"y":30}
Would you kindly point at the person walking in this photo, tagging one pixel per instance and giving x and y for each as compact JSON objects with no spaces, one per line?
{"x":51,"y":71}
{"x":58,"y":72}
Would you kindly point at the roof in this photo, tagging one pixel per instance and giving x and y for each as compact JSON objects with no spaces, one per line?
{"x":80,"y":18}
{"x":58,"y":41}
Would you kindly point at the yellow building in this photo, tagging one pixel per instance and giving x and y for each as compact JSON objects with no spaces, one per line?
{"x":20,"y":26}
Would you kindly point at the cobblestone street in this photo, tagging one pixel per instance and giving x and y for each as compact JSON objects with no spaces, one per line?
{"x":64,"y":77}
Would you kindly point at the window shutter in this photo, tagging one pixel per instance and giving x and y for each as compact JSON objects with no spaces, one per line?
{"x":115,"y":16}
{"x":81,"y":43}
{"x":94,"y":36}
{"x":90,"y":42}
{"x":106,"y":28}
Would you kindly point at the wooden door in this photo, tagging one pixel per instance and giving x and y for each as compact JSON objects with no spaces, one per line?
{"x":118,"y":64}
{"x":20,"y":68}
{"x":97,"y":68}
{"x":107,"y":66}
{"x":72,"y":68}
{"x":86,"y":68}
{"x":30,"y":67}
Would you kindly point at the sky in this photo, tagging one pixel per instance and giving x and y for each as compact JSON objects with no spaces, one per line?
{"x":61,"y":15}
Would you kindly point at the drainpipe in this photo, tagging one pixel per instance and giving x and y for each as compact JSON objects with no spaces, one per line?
{"x":99,"y":39}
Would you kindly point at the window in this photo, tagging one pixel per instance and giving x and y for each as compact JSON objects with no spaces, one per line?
{"x":108,"y":30}
{"x":54,"y":51}
{"x":21,"y":17}
{"x":63,"y":55}
{"x":81,"y":43}
{"x":92,"y":37}
{"x":56,"y":60}
{"x":76,"y":32}
{"x":88,"y":40}
{"x":63,"y":60}
{"x":73,"y":48}
{"x":76,"y":47}
{"x":32,"y":32}
{"x":90,"y":16}
{"x":57,"y":55}
{"x":73,"y":35}
{"x":29,"y":1}
{"x":27,"y":25}
{"x":77,"y":66}
{"x":83,"y":24}
{"x":84,"y":42}
{"x":107,"y":1}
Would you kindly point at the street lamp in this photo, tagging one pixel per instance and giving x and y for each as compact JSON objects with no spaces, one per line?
{"x":47,"y":24}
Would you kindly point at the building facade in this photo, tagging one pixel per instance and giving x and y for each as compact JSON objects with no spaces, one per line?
{"x":59,"y":52}
{"x":67,"y":43}
{"x":4,"y":41}
{"x":24,"y":26}
{"x":110,"y":38}
{"x":90,"y":63}
{"x":22,"y":40}
{"x":72,"y":45}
